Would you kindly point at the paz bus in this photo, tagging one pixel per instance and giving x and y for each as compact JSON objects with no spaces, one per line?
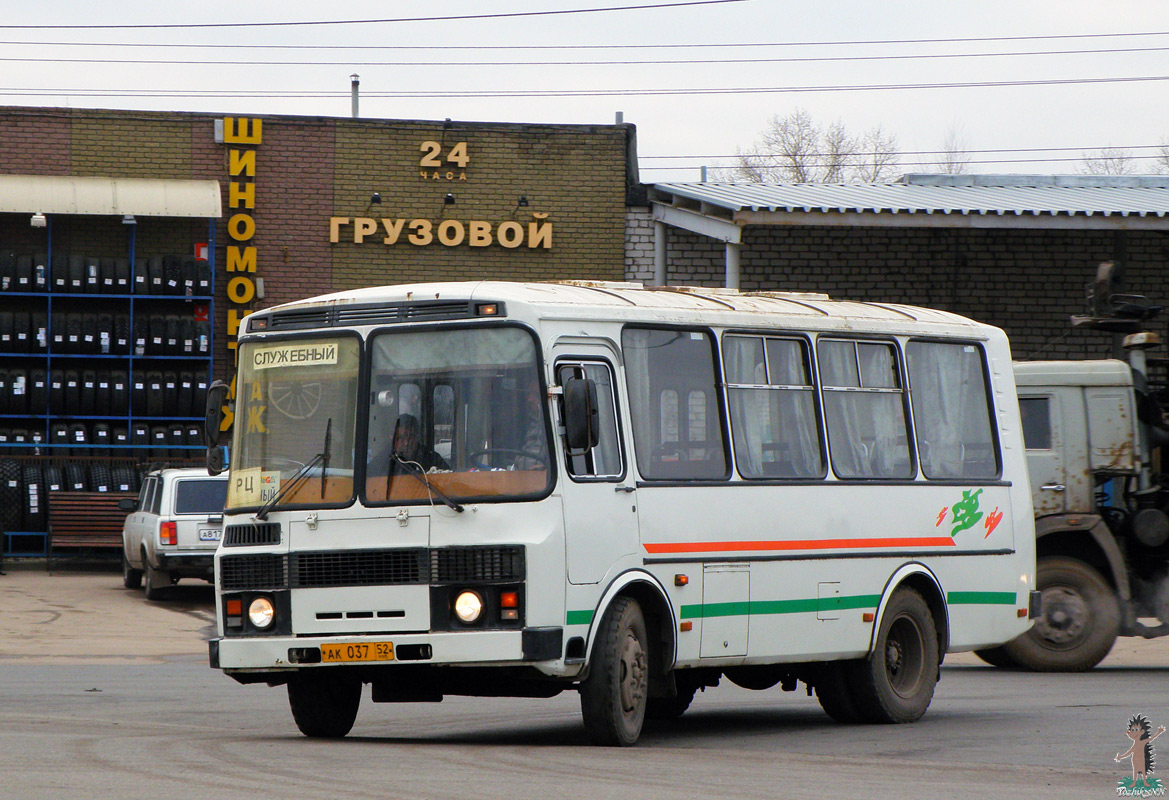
{"x":505,"y":489}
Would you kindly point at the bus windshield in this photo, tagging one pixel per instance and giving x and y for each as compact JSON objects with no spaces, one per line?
{"x":295,"y":422}
{"x":456,"y":413}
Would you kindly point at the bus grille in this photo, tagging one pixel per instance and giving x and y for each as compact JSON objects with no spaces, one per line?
{"x":253,"y":572}
{"x":475,"y":564}
{"x":359,"y":568}
{"x":251,"y":533}
{"x":398,"y":567}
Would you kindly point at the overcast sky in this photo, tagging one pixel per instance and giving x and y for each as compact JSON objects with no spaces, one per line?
{"x":402,"y":79}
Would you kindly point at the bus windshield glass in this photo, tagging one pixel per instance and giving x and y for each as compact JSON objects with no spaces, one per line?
{"x":295,"y":422}
{"x":455,"y":413}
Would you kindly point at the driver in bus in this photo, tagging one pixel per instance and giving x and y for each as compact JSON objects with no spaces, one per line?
{"x":407,"y":447}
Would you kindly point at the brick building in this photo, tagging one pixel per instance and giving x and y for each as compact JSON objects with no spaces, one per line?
{"x":109,"y":218}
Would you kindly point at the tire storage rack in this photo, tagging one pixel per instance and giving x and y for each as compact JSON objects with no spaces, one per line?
{"x":104,"y":366}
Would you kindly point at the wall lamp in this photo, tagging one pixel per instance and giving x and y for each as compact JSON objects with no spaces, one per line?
{"x":38,"y":220}
{"x":449,"y":200}
{"x":522,"y":202}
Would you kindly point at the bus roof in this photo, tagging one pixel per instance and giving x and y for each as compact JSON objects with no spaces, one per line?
{"x":671,"y":304}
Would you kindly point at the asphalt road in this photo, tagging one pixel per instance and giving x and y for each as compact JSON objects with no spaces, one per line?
{"x":103,"y":695}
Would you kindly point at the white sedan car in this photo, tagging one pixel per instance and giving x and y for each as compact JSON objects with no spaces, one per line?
{"x":174,"y":528}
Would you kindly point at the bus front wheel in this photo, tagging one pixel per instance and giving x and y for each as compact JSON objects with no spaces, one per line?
{"x":324,"y":703}
{"x":896,"y":682}
{"x":613,"y":697}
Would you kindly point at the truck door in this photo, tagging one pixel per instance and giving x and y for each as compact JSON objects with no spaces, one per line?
{"x":600,"y":520}
{"x":1050,"y":419}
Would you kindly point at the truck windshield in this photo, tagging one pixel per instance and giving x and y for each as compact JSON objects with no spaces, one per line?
{"x":456,"y":413}
{"x":296,"y":403}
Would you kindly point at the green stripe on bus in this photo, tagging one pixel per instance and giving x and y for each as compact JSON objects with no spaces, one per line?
{"x":578,"y":618}
{"x":761,"y":607}
{"x":981,"y":598}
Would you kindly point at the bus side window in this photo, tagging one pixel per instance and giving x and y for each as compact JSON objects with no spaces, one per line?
{"x":952,"y":410}
{"x":604,"y":460}
{"x":864,"y":409}
{"x":674,"y":402}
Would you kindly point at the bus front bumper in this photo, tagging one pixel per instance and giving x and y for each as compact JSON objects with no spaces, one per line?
{"x":265,"y":654}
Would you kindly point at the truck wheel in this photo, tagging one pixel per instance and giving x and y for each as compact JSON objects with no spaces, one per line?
{"x":1080,"y":619}
{"x":896,"y":682}
{"x":324,"y":704}
{"x":996,"y":657}
{"x":131,"y":578}
{"x":613,"y":697}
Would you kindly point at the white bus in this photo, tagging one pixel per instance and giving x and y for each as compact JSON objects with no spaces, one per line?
{"x":498,"y":489}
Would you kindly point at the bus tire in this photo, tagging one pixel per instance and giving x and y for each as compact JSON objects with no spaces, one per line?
{"x":997,"y":657}
{"x":324,"y":703}
{"x":835,"y":694}
{"x":896,"y":682}
{"x":1081,"y":618}
{"x":613,"y":696}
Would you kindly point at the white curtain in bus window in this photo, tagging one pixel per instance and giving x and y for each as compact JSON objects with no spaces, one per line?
{"x":673,"y":402}
{"x":864,"y":410}
{"x":772,"y":406}
{"x":951,"y":410}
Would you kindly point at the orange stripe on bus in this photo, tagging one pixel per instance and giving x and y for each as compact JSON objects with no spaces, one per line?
{"x":798,"y":544}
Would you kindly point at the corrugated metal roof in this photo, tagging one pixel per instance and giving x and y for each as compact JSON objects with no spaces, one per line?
{"x":1011,"y":195}
{"x":144,"y":197}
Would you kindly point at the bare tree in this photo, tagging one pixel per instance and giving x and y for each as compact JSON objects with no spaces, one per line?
{"x":954,"y":158}
{"x":1161,"y":165}
{"x":794,"y":149}
{"x":1107,"y":161}
{"x":878,"y":157}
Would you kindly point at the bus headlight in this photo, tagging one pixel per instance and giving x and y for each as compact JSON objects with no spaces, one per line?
{"x":261,"y":612}
{"x":468,"y":606}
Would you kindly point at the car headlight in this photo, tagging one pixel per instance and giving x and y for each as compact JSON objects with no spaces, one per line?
{"x":261,"y":612}
{"x":468,"y":606}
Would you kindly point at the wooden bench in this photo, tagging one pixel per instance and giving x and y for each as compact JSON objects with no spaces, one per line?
{"x":85,"y":519}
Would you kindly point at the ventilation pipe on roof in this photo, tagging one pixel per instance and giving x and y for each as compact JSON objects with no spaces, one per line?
{"x":353,"y":84}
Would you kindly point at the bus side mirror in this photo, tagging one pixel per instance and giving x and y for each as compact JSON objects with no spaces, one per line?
{"x":581,"y":415}
{"x":215,"y":461}
{"x":216,"y":395}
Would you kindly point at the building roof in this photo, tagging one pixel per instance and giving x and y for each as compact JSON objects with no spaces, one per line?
{"x":960,"y":201}
{"x":145,"y":197}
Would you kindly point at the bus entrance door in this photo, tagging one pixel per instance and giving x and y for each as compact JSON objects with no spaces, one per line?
{"x":600,"y":503}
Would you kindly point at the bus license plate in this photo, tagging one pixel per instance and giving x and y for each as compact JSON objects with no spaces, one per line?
{"x":357,"y":651}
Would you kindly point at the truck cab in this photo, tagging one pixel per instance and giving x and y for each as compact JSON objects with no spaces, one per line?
{"x":1091,"y":433}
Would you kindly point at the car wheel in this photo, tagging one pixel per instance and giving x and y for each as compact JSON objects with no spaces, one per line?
{"x":131,"y":578}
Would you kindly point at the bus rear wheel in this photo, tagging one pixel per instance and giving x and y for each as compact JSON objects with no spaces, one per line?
{"x":1080,"y":619}
{"x":613,"y":697}
{"x":324,"y":704}
{"x":896,"y":682}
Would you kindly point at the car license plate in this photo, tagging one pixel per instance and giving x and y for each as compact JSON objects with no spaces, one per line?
{"x":357,"y":651}
{"x":210,"y":534}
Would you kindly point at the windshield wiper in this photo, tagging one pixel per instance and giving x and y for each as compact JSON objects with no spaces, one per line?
{"x":320,"y":458}
{"x":419,"y":474}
